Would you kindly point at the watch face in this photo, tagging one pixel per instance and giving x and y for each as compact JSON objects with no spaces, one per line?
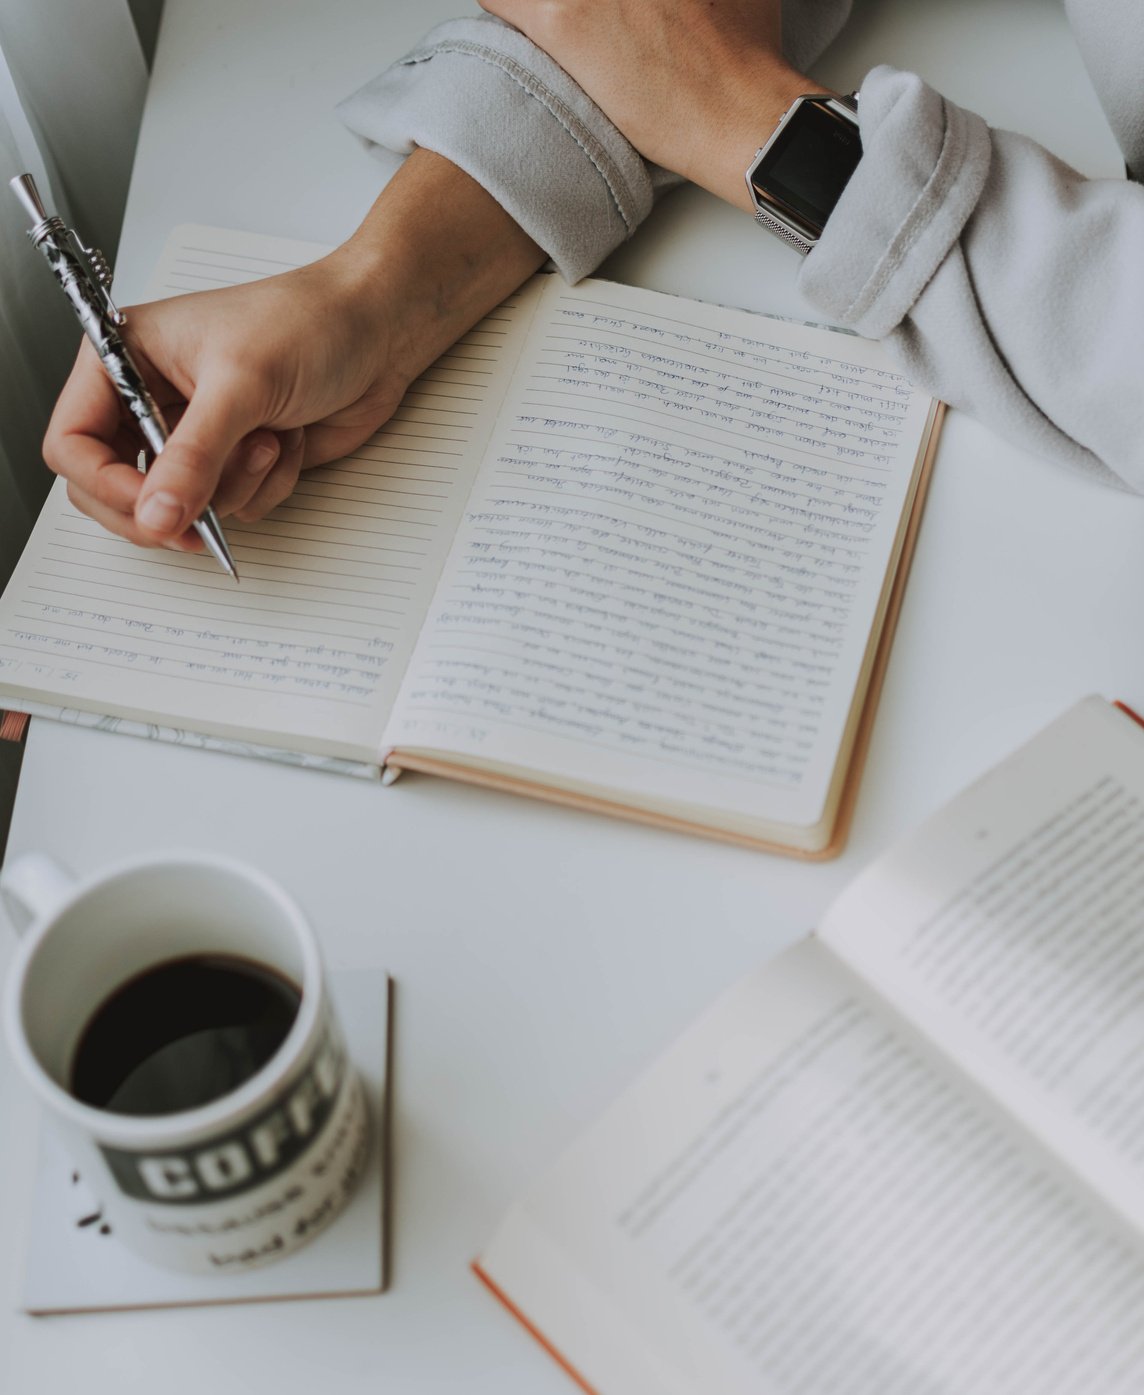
{"x":809,"y":163}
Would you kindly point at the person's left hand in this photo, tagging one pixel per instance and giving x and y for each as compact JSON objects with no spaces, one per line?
{"x":695,"y":85}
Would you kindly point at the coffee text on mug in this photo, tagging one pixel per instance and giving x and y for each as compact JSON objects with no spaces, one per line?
{"x":247,"y":1157}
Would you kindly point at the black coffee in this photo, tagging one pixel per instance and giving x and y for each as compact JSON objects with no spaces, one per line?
{"x":181,"y":1034}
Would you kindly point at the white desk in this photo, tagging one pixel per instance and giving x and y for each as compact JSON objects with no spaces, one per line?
{"x":542,"y":956}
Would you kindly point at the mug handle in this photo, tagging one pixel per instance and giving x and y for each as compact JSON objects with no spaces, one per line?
{"x":33,"y":887}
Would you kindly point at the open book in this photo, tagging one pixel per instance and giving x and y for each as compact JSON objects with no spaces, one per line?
{"x":907,"y":1156}
{"x":615,"y":548}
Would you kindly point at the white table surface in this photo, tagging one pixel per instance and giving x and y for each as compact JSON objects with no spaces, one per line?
{"x":542,"y":956}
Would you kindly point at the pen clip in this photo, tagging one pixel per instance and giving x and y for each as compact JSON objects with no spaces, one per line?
{"x":100,"y":274}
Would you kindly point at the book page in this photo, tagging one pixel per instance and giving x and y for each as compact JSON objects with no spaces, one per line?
{"x":1010,"y":929}
{"x":668,"y":575}
{"x":796,"y":1198}
{"x":308,"y":649}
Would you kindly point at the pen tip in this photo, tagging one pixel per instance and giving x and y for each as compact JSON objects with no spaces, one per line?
{"x":207,"y":527}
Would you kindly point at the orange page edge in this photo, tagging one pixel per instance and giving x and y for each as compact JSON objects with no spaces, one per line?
{"x":530,"y":1327}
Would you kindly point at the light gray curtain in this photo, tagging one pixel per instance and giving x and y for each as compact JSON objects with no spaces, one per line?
{"x":73,"y":75}
{"x":72,"y":82}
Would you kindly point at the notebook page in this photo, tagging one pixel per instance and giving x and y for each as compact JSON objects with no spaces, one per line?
{"x":308,"y":650}
{"x":667,"y":576}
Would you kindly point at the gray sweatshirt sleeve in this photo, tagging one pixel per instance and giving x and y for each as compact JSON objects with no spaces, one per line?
{"x":1001,"y":279}
{"x":481,"y":94}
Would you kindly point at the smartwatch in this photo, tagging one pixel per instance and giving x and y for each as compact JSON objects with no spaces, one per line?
{"x":799,"y":175}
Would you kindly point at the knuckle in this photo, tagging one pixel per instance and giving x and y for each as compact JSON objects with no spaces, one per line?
{"x":54,"y":447}
{"x":97,"y":489}
{"x":102,"y":490}
{"x":77,"y":499}
{"x":50,"y":449}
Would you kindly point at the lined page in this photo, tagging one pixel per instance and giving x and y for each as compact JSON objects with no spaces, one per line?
{"x":670,"y":569}
{"x":308,"y":650}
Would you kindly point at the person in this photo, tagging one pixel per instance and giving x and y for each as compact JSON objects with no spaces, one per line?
{"x":1001,"y":280}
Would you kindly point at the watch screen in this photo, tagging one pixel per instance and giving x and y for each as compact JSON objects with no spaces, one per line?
{"x":810,"y":162}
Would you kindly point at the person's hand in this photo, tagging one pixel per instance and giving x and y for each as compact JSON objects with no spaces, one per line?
{"x":264,"y":380}
{"x":695,"y":85}
{"x":258,"y":381}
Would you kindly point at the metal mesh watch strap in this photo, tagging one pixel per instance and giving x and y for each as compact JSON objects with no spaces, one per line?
{"x":772,"y":224}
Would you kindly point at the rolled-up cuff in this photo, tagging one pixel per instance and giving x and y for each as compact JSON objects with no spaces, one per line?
{"x":923,"y":167}
{"x":479,"y":93}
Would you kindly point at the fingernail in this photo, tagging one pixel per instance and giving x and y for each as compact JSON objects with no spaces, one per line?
{"x":260,"y":459}
{"x":161,"y":512}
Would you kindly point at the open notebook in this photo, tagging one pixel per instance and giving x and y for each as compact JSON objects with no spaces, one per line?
{"x":614,"y":548}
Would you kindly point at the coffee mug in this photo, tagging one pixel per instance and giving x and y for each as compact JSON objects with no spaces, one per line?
{"x":230,"y":1181}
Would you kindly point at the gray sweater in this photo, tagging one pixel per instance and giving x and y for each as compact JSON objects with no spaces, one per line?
{"x":1002,"y":280}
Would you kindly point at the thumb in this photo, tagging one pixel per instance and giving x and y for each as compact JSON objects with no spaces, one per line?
{"x":182,"y":480}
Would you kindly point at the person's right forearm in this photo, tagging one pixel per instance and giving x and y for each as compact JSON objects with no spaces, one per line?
{"x":433,"y":255}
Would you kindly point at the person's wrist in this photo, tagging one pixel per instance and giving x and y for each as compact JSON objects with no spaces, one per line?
{"x":368,"y":295}
{"x":434,"y":255}
{"x":746,"y":117}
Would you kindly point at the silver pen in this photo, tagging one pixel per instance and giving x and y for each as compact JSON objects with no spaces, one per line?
{"x":84,"y":276}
